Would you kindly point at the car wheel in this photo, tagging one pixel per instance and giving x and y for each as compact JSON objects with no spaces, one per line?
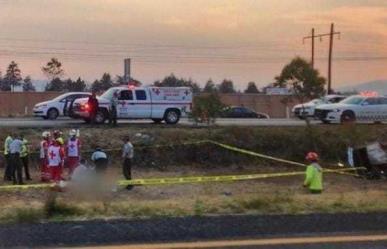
{"x":100,"y":117}
{"x":87,"y":120}
{"x":172,"y":116}
{"x":348,"y":117}
{"x":326,"y":121}
{"x":52,"y":114}
{"x":157,"y":120}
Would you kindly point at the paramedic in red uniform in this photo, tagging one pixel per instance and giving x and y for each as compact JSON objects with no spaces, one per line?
{"x":44,"y":173}
{"x":55,"y":161}
{"x":72,"y":151}
{"x":93,"y":107}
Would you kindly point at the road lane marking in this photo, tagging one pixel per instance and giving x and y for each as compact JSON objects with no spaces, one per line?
{"x":252,"y":242}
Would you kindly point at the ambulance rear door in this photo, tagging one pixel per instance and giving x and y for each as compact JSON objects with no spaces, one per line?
{"x":143,"y":107}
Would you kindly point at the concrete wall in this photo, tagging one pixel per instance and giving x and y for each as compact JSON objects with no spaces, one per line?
{"x":276,"y":106}
{"x":20,"y":103}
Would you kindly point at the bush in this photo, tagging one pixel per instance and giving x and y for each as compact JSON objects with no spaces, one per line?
{"x":206,"y":108}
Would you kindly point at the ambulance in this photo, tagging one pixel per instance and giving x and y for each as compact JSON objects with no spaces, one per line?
{"x":159,"y":104}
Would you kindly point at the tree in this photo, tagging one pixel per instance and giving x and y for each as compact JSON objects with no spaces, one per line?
{"x":27,"y":85}
{"x":55,"y":85}
{"x":173,"y":81}
{"x":227,"y":86}
{"x":120,"y":80}
{"x":53,"y":69}
{"x":74,"y":86}
{"x":12,"y":77}
{"x":206,"y":108}
{"x":302,"y":79}
{"x":210,"y":87}
{"x":251,"y":88}
{"x":103,"y":84}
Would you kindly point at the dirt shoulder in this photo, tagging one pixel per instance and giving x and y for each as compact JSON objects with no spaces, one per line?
{"x":285,"y":195}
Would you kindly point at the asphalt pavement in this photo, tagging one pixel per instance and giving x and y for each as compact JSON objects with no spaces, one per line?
{"x":252,"y":231}
{"x":354,"y":241}
{"x":67,"y":122}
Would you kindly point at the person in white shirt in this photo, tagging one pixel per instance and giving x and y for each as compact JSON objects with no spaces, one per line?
{"x":100,"y":160}
{"x":127,"y":156}
{"x":15,"y":148}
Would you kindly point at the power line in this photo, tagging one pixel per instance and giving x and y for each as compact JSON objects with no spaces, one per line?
{"x":331,"y":34}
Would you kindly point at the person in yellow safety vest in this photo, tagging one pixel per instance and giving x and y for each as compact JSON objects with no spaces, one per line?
{"x":24,"y":156}
{"x":313,"y":174}
{"x":58,"y":137}
{"x":7,"y":171}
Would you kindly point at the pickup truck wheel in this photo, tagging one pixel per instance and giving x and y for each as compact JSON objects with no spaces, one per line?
{"x":348,"y":117}
{"x":100,"y":117}
{"x":52,"y":114}
{"x":157,"y":120}
{"x":172,"y":116}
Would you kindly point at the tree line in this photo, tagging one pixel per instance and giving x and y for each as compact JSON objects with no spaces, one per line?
{"x":298,"y":75}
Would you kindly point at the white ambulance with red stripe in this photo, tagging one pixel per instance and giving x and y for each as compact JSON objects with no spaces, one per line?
{"x":159,"y":104}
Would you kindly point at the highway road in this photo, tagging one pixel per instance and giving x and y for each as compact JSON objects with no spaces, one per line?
{"x":66,"y":122}
{"x":377,"y":241}
{"x":312,"y":231}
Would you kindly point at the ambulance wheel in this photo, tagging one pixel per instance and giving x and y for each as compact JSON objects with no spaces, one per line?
{"x":172,"y":116}
{"x":157,"y":120}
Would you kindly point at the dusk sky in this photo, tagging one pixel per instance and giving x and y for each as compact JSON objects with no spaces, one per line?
{"x":242,"y":40}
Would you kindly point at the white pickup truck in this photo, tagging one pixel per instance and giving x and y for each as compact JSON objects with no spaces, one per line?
{"x":159,"y":104}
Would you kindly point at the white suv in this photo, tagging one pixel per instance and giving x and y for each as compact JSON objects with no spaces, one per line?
{"x":354,"y":108}
{"x":306,"y":110}
{"x":58,"y":106}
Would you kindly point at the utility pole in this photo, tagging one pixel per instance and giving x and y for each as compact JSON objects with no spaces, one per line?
{"x":312,"y":38}
{"x":127,"y":76}
{"x":331,"y":35}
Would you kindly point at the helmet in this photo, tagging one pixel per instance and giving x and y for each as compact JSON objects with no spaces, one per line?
{"x":73,"y":132}
{"x":311,"y":156}
{"x":46,"y":134}
{"x":57,"y":133}
{"x":59,"y":140}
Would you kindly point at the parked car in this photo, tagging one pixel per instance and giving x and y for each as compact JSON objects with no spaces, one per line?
{"x":307,"y":110}
{"x":354,"y":108}
{"x":242,"y":112}
{"x":59,"y":106}
{"x":156,"y":103}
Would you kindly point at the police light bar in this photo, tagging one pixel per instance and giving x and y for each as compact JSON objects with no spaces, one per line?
{"x":369,"y":94}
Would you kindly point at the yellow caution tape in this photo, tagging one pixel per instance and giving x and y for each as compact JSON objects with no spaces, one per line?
{"x":137,"y":147}
{"x":252,"y":153}
{"x":226,"y":178}
{"x":27,"y":186}
{"x":182,"y":180}
{"x":247,"y":152}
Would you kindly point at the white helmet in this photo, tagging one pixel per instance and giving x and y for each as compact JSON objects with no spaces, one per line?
{"x":46,"y":134}
{"x":73,"y":132}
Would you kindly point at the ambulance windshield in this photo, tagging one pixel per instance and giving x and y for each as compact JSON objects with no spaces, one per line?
{"x":109,"y":94}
